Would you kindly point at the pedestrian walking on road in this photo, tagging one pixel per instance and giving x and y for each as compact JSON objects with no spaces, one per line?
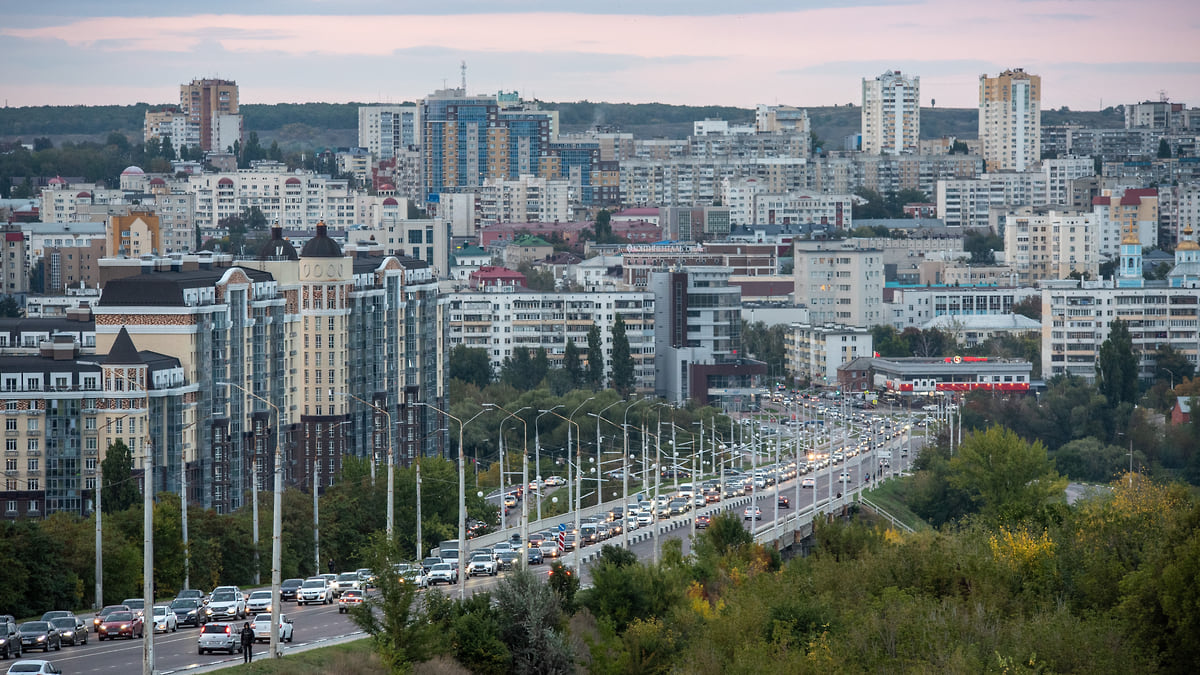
{"x":247,"y":643}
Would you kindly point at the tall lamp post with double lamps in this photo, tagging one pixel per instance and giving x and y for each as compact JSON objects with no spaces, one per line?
{"x":537,"y":455}
{"x":524,"y":469}
{"x":276,"y":518}
{"x":462,"y":495}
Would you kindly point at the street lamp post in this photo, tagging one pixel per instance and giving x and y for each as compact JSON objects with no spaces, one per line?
{"x":462,"y":496}
{"x":183,"y":506}
{"x":391,"y":462}
{"x":579,"y":476}
{"x":524,"y":470}
{"x":625,"y":474}
{"x":276,"y":520}
{"x":537,"y":450}
{"x":99,"y":523}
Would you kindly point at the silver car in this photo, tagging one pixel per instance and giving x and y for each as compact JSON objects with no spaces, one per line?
{"x":219,"y":637}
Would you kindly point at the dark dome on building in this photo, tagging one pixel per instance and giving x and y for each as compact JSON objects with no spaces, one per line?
{"x":277,"y":248}
{"x":292,"y":181}
{"x":157,"y":181}
{"x":390,"y":202}
{"x":84,"y":195}
{"x":321,"y":246}
{"x":225,"y":181}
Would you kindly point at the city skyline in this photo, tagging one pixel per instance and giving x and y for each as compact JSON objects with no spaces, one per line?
{"x":670,"y":52}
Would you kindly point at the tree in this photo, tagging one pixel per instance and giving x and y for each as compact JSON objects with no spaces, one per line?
{"x":537,"y":278}
{"x":1030,"y":307}
{"x":983,"y":246}
{"x":1170,"y":365}
{"x":595,"y":359}
{"x":9,"y":307}
{"x":539,"y":367}
{"x":1164,"y":149}
{"x":1008,"y":478}
{"x":1116,"y":367}
{"x":119,"y":490}
{"x":888,"y":341}
{"x":470,"y":364}
{"x":603,"y":228}
{"x":572,"y":365}
{"x":532,"y":613}
{"x":392,"y":617}
{"x":517,"y":370}
{"x":621,"y":375}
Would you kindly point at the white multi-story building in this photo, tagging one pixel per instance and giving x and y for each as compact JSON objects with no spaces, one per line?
{"x":840,"y":282}
{"x":816,"y":351}
{"x":528,"y":199}
{"x":916,"y":307}
{"x":1179,"y":209}
{"x":971,"y":202}
{"x":294,"y":200}
{"x":1059,"y":174}
{"x":386,"y":130}
{"x":891,"y":114}
{"x":829,"y":210}
{"x":772,"y":119}
{"x":1010,"y":120}
{"x":424,"y":239}
{"x":1077,"y":316}
{"x":1048,"y":243}
{"x":501,"y":322}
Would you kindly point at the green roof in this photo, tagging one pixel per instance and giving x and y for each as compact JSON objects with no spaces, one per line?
{"x":470,"y":251}
{"x":530,"y":240}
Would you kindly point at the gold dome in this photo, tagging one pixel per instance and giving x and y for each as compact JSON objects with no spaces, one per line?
{"x":1188,"y":244}
{"x":1130,"y":238}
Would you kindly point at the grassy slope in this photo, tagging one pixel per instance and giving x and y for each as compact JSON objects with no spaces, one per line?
{"x":889,"y":496}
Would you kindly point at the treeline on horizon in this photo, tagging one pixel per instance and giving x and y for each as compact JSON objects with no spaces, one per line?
{"x":827,"y":121}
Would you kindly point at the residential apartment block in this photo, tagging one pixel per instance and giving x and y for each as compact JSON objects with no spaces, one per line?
{"x":916,"y":306}
{"x":891,"y":114}
{"x":840,"y":282}
{"x":1121,"y":211}
{"x":293,"y":200}
{"x":1050,"y":243}
{"x":14,"y":270}
{"x":387,"y":130}
{"x":503,"y":320}
{"x":816,"y":351}
{"x":1010,"y":120}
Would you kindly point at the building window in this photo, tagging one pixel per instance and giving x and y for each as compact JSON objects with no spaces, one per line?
{"x":33,"y":445}
{"x":33,"y":424}
{"x":34,"y":464}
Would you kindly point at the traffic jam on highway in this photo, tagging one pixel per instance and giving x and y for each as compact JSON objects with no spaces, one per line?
{"x":829,"y":446}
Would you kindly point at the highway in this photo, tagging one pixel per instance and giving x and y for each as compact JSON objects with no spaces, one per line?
{"x":313,"y":624}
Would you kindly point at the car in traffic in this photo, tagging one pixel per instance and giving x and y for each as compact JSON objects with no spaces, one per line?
{"x":121,"y":624}
{"x":482,"y":564}
{"x":366,"y":576}
{"x":289,"y":588}
{"x":38,"y":635}
{"x":262,"y":628}
{"x":351,"y":597}
{"x":645,"y":517}
{"x":136,"y":605}
{"x":219,"y":637}
{"x":506,"y":560}
{"x":29,"y":667}
{"x":784,"y":502}
{"x":56,"y":614}
{"x":808,"y":483}
{"x":702,"y":521}
{"x":71,"y":630}
{"x":165,"y":620}
{"x":104,"y":612}
{"x":752,"y":512}
{"x":346,"y":581}
{"x":227,"y":605}
{"x":315,"y":589}
{"x":443,"y":573}
{"x":415,"y":576}
{"x":190,"y":594}
{"x":259,"y":602}
{"x":10,"y":639}
{"x":189,"y":612}
{"x":678,"y":507}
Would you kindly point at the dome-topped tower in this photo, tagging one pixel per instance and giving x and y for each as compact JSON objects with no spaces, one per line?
{"x":1186,"y":273}
{"x":277,"y":248}
{"x":321,"y":246}
{"x":1130,"y":274}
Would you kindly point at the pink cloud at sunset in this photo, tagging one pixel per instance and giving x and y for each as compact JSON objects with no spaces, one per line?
{"x":806,"y":57}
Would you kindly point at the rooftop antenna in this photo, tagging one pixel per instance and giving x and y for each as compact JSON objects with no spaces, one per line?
{"x":463,"y":68}
{"x":1162,"y":96}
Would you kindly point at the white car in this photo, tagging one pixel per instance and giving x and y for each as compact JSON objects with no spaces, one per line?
{"x":315,"y":589}
{"x":442,"y":573}
{"x":227,"y":605}
{"x":482,"y":564}
{"x":346,"y":581}
{"x":262,"y":628}
{"x":645,"y":517}
{"x":33,"y":668}
{"x":260,"y":601}
{"x":165,"y":620}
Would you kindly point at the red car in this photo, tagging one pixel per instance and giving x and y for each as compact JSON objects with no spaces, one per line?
{"x":121,"y":624}
{"x":702,"y":522}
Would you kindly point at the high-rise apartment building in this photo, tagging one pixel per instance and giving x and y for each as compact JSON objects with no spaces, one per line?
{"x":891,"y":114}
{"x":1043,"y":242}
{"x":1010,"y":120}
{"x":204,"y":102}
{"x":840,"y":281}
{"x":387,"y":130}
{"x":14,"y":277}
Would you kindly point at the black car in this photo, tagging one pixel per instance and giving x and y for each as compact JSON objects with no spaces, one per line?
{"x":189,"y":612}
{"x":39,"y":635}
{"x":10,"y":640}
{"x":289,"y":588}
{"x":506,"y":559}
{"x":534,"y":556}
{"x":71,"y":630}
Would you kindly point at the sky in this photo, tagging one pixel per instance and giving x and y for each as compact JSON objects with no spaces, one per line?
{"x":1089,"y":53}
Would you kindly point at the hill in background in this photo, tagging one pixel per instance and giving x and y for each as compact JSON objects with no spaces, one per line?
{"x":299,"y":126}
